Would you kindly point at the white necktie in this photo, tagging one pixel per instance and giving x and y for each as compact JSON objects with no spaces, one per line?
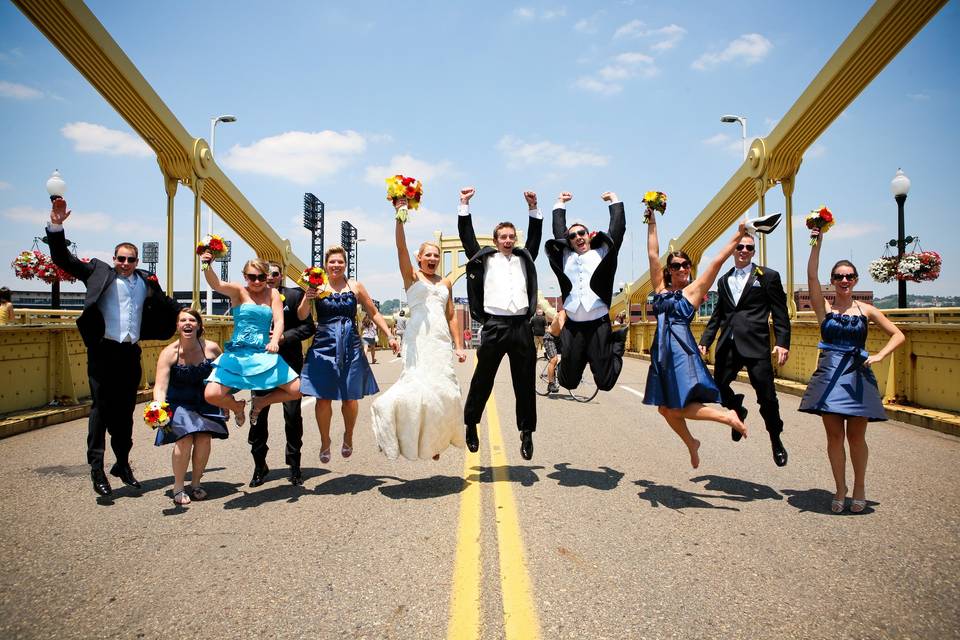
{"x":740,"y":277}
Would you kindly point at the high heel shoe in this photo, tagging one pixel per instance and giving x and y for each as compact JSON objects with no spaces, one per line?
{"x":837,"y":506}
{"x":346,"y":451}
{"x":325,"y":456}
{"x":857,"y":506}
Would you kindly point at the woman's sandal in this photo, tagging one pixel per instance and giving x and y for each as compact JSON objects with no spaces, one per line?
{"x":254,"y":412}
{"x":837,"y":506}
{"x":857,"y":506}
{"x":198,"y":493}
{"x":239,"y":417}
{"x":181,"y":498}
{"x":325,"y":456}
{"x":346,"y":451}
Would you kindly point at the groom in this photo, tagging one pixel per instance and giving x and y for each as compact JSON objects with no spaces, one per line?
{"x":502,"y":287}
{"x":749,"y":296}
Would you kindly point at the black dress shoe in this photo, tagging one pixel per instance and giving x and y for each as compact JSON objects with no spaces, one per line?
{"x":125,"y":473}
{"x":259,"y":475}
{"x":473,"y":440}
{"x":779,"y":453}
{"x":100,"y":483}
{"x":296,"y":478}
{"x":526,"y":444}
{"x":742,"y":414}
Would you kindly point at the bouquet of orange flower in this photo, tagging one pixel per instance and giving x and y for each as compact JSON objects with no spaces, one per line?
{"x":215,"y":245}
{"x":655,"y":201}
{"x":157,"y":414}
{"x":403,"y":187}
{"x":821,"y":219}
{"x":315,"y":278}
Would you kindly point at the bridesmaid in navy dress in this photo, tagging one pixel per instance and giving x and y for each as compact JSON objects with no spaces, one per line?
{"x":336,"y":368}
{"x":678,"y":382}
{"x":843,"y":389}
{"x":181,"y":370}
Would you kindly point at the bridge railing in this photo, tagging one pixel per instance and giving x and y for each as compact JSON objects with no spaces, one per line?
{"x":922,"y":373}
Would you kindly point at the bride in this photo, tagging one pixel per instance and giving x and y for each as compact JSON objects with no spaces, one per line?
{"x":420,"y":415}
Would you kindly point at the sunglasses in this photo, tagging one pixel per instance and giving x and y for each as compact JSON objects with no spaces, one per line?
{"x":850,"y":277}
{"x":255,"y":277}
{"x":745,"y":247}
{"x":126,"y":259}
{"x":573,"y":235}
{"x":274,"y":274}
{"x":676,"y":266}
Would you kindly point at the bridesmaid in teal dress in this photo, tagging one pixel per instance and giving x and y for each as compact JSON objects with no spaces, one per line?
{"x":843,"y":390}
{"x":250,"y":360}
{"x":678,"y":382}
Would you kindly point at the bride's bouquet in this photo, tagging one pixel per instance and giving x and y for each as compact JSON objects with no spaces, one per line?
{"x":655,"y":201}
{"x":400,"y":186}
{"x":821,"y":219}
{"x":157,"y":414}
{"x":215,"y":245}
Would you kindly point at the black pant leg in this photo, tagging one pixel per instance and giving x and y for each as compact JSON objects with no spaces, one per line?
{"x":574,"y":342}
{"x":120,"y":425}
{"x":605,"y":353}
{"x":97,"y":371}
{"x":493,"y":346}
{"x":725,"y":371}
{"x":761,"y":378}
{"x":259,"y":433}
{"x":293,"y":426}
{"x":523,"y":358}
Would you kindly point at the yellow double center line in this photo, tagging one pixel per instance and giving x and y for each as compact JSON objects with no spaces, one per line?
{"x":519,"y":613}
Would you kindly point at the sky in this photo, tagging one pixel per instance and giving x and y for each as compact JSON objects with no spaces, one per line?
{"x":625,"y":96}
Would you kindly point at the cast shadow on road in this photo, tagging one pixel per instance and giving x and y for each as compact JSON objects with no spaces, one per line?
{"x":676,"y":499}
{"x":738,"y":490}
{"x":215,"y":491}
{"x":424,"y":488}
{"x":282,"y":491}
{"x":506,"y":473}
{"x":120,"y":490}
{"x":604,"y":480}
{"x":818,"y":501}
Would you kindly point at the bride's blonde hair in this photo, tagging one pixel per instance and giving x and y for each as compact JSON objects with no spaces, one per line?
{"x":424,"y":246}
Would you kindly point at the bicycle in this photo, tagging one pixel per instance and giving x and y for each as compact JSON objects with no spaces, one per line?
{"x":584,"y":392}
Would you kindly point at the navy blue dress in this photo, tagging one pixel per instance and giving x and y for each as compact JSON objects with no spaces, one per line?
{"x":191,"y":413}
{"x":677,"y":373}
{"x":842,"y":384}
{"x":336,"y":368}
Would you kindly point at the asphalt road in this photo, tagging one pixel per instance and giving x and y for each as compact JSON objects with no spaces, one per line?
{"x":606,"y":533}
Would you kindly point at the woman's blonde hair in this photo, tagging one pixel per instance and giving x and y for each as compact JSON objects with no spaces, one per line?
{"x":259,"y":264}
{"x":332,"y":250}
{"x":424,"y":246}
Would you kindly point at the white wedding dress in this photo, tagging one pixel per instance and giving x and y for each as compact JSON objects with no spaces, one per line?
{"x":421,"y":415}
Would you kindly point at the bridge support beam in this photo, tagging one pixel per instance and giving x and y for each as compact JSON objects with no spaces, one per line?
{"x":787,"y":183}
{"x":170,"y":184}
{"x":197,"y":197}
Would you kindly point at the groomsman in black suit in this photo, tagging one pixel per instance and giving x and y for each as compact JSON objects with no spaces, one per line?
{"x":295,"y":331}
{"x":502,"y":287}
{"x":123,"y":305}
{"x":749,"y":296}
{"x":585,"y":265}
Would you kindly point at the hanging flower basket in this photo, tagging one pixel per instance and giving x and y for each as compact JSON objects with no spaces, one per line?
{"x":884,"y":270}
{"x":25,"y":264}
{"x":919,"y":266}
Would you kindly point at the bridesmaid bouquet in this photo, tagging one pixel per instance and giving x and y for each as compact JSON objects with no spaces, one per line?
{"x":315,"y":277}
{"x":157,"y":414}
{"x":821,"y":219}
{"x":403,"y":187}
{"x":655,"y":201}
{"x":215,"y":245}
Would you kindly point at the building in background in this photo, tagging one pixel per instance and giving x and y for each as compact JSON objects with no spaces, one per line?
{"x":801,"y":296}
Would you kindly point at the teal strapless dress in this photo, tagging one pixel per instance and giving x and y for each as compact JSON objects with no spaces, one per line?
{"x":245,"y":362}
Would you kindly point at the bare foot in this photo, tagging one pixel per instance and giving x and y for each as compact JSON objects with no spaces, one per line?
{"x":694,"y":453}
{"x":240,"y":413}
{"x":734,"y":421}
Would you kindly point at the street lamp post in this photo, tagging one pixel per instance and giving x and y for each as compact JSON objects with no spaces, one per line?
{"x":730,"y":119}
{"x":213,"y":143}
{"x":899,"y":187}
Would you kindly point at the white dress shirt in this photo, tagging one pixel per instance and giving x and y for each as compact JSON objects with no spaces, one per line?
{"x":504,"y":280}
{"x":582,"y":303}
{"x":737,"y":281}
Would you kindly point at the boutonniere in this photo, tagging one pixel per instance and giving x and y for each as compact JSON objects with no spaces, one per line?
{"x":152,"y":278}
{"x":757,"y":271}
{"x":283,"y":298}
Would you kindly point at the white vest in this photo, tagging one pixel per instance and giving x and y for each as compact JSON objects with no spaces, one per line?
{"x":582,"y":303}
{"x":505,"y":286}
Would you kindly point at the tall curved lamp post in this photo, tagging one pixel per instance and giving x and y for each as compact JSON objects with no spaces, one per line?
{"x":899,"y":187}
{"x":213,"y":143}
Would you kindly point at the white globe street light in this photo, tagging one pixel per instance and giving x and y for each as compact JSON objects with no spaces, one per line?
{"x":899,"y":187}
{"x":56,"y":187}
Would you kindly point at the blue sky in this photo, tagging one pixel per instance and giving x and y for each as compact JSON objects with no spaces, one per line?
{"x":586,"y":97}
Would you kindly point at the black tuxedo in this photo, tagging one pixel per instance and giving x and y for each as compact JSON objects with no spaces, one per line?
{"x":745,"y":339}
{"x":295,"y":331}
{"x":591,"y":342}
{"x":502,"y":335}
{"x":113,"y":368}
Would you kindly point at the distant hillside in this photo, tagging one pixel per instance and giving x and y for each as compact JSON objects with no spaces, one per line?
{"x":916,"y":302}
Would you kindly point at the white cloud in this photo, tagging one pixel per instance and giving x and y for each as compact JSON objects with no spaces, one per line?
{"x":727,"y":143}
{"x":608,"y":79}
{"x":378,"y":229}
{"x":18,"y":91}
{"x":11,"y":56}
{"x":519,"y":153}
{"x":96,"y":138}
{"x":92,"y":221}
{"x":298,"y":156}
{"x":631,"y":29}
{"x":750,"y":48}
{"x":815,"y":151}
{"x":5,"y":185}
{"x":589,"y":25}
{"x":530,"y":14}
{"x":842,"y":230}
{"x":408,"y":166}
